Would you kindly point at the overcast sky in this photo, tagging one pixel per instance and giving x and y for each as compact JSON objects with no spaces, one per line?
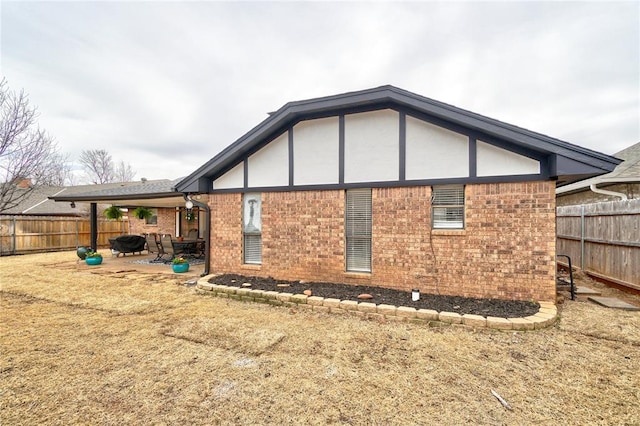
{"x":166,"y":86}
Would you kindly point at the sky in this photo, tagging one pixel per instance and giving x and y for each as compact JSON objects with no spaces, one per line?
{"x":165,"y":86}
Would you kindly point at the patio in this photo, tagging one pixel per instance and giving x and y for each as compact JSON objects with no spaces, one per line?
{"x":143,"y":263}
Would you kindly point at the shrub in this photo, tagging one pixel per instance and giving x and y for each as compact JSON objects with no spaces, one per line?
{"x":93,"y":254}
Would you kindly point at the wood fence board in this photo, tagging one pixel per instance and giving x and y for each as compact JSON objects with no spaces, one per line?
{"x":611,"y":238}
{"x":32,"y":234}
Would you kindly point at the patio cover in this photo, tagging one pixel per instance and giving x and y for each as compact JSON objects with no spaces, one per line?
{"x":157,"y":193}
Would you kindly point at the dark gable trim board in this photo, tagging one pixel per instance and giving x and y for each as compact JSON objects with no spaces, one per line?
{"x":246,"y":172}
{"x":403,"y":147}
{"x":341,"y":149}
{"x":473,"y":157}
{"x":392,"y":184}
{"x":291,"y":156}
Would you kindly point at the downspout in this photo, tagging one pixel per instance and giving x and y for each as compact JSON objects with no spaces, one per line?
{"x":207,"y":236}
{"x":594,"y":188}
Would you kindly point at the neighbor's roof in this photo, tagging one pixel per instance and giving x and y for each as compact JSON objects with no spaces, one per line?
{"x":571,"y":162}
{"x":155,"y":193}
{"x":626,"y":172}
{"x":38,"y":202}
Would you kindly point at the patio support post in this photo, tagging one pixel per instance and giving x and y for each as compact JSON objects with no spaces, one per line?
{"x":94,"y":226}
{"x":207,"y":236}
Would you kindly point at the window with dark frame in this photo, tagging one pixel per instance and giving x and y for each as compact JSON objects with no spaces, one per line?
{"x":153,"y":220}
{"x":448,"y":207}
{"x":252,"y":228}
{"x":358,"y":230}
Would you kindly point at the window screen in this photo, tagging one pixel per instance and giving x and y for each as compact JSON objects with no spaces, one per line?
{"x":448,"y":207}
{"x":252,"y":228}
{"x":358,"y":230}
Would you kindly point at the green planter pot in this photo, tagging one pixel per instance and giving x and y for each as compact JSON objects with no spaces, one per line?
{"x":93,"y":260}
{"x":82,"y":252}
{"x":180,"y":268}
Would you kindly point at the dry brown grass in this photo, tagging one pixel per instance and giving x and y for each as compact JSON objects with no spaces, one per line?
{"x":133,"y":348}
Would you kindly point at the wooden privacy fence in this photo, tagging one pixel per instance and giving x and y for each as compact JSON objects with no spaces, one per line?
{"x":32,"y":234}
{"x":603,"y":239}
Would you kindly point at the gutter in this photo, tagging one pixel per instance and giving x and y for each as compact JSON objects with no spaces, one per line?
{"x":117,"y":197}
{"x":207,"y":236}
{"x":597,"y":190}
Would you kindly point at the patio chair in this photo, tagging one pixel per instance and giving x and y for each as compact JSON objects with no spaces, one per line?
{"x":200,"y":247}
{"x":167,"y":247}
{"x":153,"y":247}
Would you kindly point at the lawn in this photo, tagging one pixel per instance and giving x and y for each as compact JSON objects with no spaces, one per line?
{"x":126,"y":347}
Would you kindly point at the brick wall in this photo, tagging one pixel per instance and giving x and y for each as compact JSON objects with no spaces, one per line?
{"x":303,"y":234}
{"x":507,"y":249}
{"x":226,"y":232}
{"x":166,"y":223}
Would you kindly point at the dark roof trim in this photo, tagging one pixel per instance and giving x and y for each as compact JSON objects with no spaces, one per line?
{"x":97,"y":198}
{"x":5,"y":215}
{"x":388,"y":97}
{"x":147,"y":190}
{"x":388,"y":184}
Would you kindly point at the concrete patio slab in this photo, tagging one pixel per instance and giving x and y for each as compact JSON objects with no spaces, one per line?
{"x":612,"y":302}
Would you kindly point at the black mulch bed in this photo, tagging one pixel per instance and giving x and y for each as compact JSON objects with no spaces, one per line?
{"x":461,"y":305}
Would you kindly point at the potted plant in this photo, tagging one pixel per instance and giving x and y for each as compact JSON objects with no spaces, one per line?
{"x":179,"y":265}
{"x":113,"y":213}
{"x":82,"y":252}
{"x":93,"y":258}
{"x":143,"y":213}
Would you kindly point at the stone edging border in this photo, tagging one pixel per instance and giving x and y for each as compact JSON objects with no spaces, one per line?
{"x":545,"y":317}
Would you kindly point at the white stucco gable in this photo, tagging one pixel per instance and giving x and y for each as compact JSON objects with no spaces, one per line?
{"x":387,"y":136}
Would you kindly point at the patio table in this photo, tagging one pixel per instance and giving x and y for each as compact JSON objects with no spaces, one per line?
{"x":186,"y":247}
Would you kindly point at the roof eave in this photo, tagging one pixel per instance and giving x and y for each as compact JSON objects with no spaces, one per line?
{"x":93,"y":198}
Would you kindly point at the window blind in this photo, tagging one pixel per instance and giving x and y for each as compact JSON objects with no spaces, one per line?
{"x":253,"y":248}
{"x":448,"y":207}
{"x":358,"y":230}
{"x":252,"y":228}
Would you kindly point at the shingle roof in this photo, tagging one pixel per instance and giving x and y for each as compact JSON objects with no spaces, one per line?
{"x":163,"y":187}
{"x":45,"y":200}
{"x":628,"y":172}
{"x":571,"y":162}
{"x":156,"y":193}
{"x":630,"y":168}
{"x":32,"y":203}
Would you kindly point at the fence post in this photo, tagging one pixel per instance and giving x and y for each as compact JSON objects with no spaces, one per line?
{"x":77,"y":234}
{"x":13,"y":236}
{"x":582,"y":237}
